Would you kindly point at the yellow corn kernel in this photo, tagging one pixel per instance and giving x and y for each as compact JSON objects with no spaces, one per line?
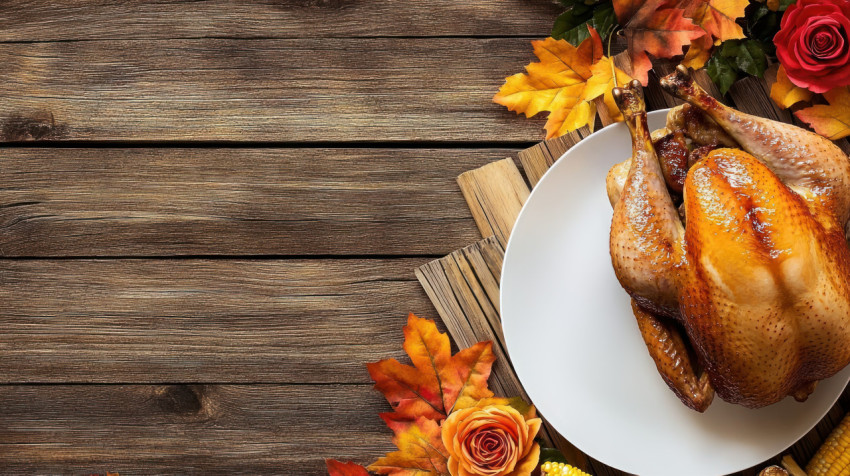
{"x":560,"y":469}
{"x":833,"y":457}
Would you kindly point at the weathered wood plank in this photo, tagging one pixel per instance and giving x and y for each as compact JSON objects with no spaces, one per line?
{"x":157,"y":202}
{"x":367,"y":89}
{"x":142,"y":321}
{"x":45,"y":20}
{"x":536,"y":160}
{"x":464,"y":287}
{"x":194,"y":429}
{"x":495,"y":194}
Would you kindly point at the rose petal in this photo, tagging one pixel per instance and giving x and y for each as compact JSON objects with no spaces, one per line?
{"x":528,"y":464}
{"x":826,"y":28}
{"x":828,"y":43}
{"x":489,"y":441}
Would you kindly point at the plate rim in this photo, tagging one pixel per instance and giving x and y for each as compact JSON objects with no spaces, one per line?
{"x":508,"y":247}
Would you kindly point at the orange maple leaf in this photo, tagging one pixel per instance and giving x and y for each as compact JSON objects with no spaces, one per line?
{"x":656,"y":28}
{"x":718,"y":17}
{"x":337,"y":468}
{"x":556,"y":84}
{"x":785,"y":93}
{"x":437,"y":380}
{"x":420,"y":450}
{"x":833,"y":120}
{"x":626,"y":9}
{"x":699,"y":52}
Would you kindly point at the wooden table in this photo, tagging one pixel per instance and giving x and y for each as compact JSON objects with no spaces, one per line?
{"x":210,"y":215}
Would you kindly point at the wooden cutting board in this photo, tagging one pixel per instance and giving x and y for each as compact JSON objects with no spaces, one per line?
{"x":464,"y":286}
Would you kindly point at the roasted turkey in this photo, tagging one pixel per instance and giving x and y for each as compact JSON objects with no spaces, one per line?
{"x":729,"y":235}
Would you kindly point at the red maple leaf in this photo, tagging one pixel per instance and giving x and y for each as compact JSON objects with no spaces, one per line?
{"x":338,"y":468}
{"x":437,"y":380}
{"x":656,"y":27}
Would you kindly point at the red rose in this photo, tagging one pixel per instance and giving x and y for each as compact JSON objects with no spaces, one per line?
{"x":813,"y":46}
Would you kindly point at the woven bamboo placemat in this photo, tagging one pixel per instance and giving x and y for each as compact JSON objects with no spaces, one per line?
{"x":464,"y":286}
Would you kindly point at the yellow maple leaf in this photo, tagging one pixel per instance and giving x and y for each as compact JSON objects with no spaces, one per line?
{"x":785,"y":93}
{"x":699,"y":52}
{"x":718,"y":17}
{"x":602,"y":84}
{"x":564,"y":83}
{"x":556,"y":84}
{"x":833,"y":120}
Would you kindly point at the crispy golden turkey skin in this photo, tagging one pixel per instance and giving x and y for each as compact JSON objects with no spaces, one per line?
{"x":741,"y":284}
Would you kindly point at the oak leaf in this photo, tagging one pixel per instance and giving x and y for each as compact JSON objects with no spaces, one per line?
{"x":785,"y":93}
{"x":833,"y":120}
{"x":657,"y":28}
{"x":420,"y":450}
{"x":437,"y":380}
{"x":555,"y":84}
{"x":338,"y":468}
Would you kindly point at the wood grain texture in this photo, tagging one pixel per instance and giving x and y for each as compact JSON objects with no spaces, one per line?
{"x":209,"y":429}
{"x":367,"y":89}
{"x":158,"y":202}
{"x":45,"y":20}
{"x":226,"y":321}
{"x":538,"y":159}
{"x":464,"y":287}
{"x":495,"y":194}
{"x":189,"y":429}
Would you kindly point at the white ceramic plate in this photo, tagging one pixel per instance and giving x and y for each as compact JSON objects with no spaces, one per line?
{"x":577,"y":350}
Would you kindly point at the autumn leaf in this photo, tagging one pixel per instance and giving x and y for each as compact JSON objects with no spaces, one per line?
{"x":626,"y":9}
{"x":517,"y":403}
{"x":420,"y":450}
{"x":785,"y":93}
{"x":437,"y":379}
{"x":699,"y":52}
{"x":718,"y":17}
{"x":602,"y":84}
{"x":555,"y":84}
{"x":654,"y":28}
{"x":337,"y":468}
{"x":833,"y":120}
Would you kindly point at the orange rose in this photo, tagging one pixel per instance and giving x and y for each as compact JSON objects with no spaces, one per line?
{"x":491,"y":440}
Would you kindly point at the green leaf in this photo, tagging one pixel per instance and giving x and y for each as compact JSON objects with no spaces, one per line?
{"x":604,"y":19}
{"x":576,"y":35}
{"x":567,"y":23}
{"x":729,"y":49}
{"x":553,"y":455}
{"x":762,"y":25}
{"x":722,"y":71}
{"x":572,"y":24}
{"x":784,"y":4}
{"x":751,"y":58}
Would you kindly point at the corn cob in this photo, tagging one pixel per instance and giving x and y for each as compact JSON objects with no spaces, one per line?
{"x":833,"y":457}
{"x":560,"y":469}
